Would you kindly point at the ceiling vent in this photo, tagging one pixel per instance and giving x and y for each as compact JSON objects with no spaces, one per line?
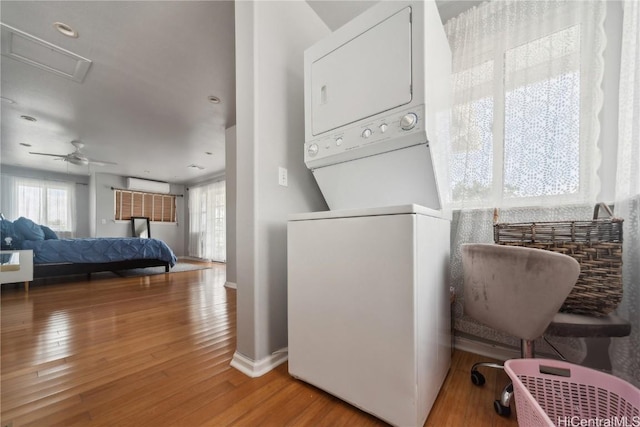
{"x":137,"y":184}
{"x":31,"y":50}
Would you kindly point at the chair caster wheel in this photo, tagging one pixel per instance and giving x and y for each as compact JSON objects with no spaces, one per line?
{"x":477,"y":378}
{"x":503,"y":411}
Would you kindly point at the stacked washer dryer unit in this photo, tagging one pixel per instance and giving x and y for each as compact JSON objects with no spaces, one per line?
{"x":368,"y":299}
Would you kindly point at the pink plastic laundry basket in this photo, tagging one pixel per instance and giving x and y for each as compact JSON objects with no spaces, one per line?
{"x":555,"y":393}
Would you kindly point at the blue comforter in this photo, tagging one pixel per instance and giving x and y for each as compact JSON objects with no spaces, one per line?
{"x":95,"y":250}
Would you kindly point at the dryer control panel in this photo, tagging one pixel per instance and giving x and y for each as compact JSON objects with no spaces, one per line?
{"x":380,"y":134}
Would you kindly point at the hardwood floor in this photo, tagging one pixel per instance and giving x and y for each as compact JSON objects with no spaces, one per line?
{"x":155,"y":351}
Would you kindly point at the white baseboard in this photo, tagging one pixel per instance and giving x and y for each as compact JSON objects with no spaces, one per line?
{"x":192,"y":258}
{"x":492,"y":351}
{"x":230,"y":285}
{"x":253,"y":368}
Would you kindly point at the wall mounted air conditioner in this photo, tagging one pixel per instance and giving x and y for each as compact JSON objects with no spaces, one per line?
{"x":137,"y":184}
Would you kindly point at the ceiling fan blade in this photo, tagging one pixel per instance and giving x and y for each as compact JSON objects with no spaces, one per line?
{"x":77,"y":157}
{"x":76,"y":160}
{"x":100,"y":162}
{"x":49,"y":154}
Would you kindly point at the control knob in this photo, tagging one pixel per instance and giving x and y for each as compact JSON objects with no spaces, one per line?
{"x":366,"y":133}
{"x":312,"y":150}
{"x":408,"y":121}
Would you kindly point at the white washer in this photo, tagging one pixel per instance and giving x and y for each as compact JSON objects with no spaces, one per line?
{"x":368,"y":307}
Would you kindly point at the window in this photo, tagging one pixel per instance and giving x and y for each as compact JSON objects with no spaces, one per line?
{"x":526,"y":99}
{"x":156,"y":207}
{"x":50,"y":203}
{"x":207,"y":221}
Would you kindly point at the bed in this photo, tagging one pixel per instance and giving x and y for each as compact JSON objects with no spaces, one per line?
{"x":60,"y":257}
{"x":85,"y":256}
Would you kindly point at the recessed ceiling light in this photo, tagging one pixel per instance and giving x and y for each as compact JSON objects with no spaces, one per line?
{"x":214,"y":99}
{"x":65,"y":29}
{"x":29,"y":118}
{"x":7,"y":100}
{"x":24,"y":144}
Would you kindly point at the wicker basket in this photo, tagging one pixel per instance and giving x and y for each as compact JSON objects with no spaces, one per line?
{"x":596,"y":244}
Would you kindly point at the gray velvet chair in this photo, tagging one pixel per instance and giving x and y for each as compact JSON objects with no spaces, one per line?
{"x":515,"y":290}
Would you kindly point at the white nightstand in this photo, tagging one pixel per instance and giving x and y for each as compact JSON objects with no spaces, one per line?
{"x":18,"y":268}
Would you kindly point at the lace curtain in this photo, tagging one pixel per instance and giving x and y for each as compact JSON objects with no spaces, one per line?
{"x":526,"y":98}
{"x":207,"y":224}
{"x":624,"y":354}
{"x":526,"y":88}
{"x":46,"y":202}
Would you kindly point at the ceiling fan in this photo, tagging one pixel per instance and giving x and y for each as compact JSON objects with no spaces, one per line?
{"x":77,"y":157}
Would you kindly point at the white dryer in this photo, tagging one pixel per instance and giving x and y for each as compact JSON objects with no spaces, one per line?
{"x":377,"y":108}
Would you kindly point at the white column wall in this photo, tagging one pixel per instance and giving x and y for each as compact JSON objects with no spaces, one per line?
{"x":271,"y":37}
{"x":231,"y":196}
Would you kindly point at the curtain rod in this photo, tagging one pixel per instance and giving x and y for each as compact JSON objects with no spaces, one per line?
{"x":44,"y":179}
{"x":147,"y":192}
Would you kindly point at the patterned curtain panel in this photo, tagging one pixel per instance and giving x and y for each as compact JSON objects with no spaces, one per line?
{"x":625,"y":355}
{"x":524,"y":136}
{"x":526,"y":90}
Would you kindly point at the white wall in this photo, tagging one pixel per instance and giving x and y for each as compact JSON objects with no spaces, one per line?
{"x":270,"y":40}
{"x":230,"y":203}
{"x":171,"y":233}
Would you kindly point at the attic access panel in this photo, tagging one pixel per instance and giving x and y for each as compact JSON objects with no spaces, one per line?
{"x":31,"y":50}
{"x":367,"y":75}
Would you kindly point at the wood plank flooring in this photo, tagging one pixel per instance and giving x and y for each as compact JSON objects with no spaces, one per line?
{"x":155,"y":351}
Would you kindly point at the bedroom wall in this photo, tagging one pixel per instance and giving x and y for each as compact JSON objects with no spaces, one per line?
{"x":82,"y":192}
{"x":171,"y":233}
{"x":270,"y":41}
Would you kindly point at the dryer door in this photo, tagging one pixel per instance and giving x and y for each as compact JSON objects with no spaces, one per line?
{"x":367,"y":75}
